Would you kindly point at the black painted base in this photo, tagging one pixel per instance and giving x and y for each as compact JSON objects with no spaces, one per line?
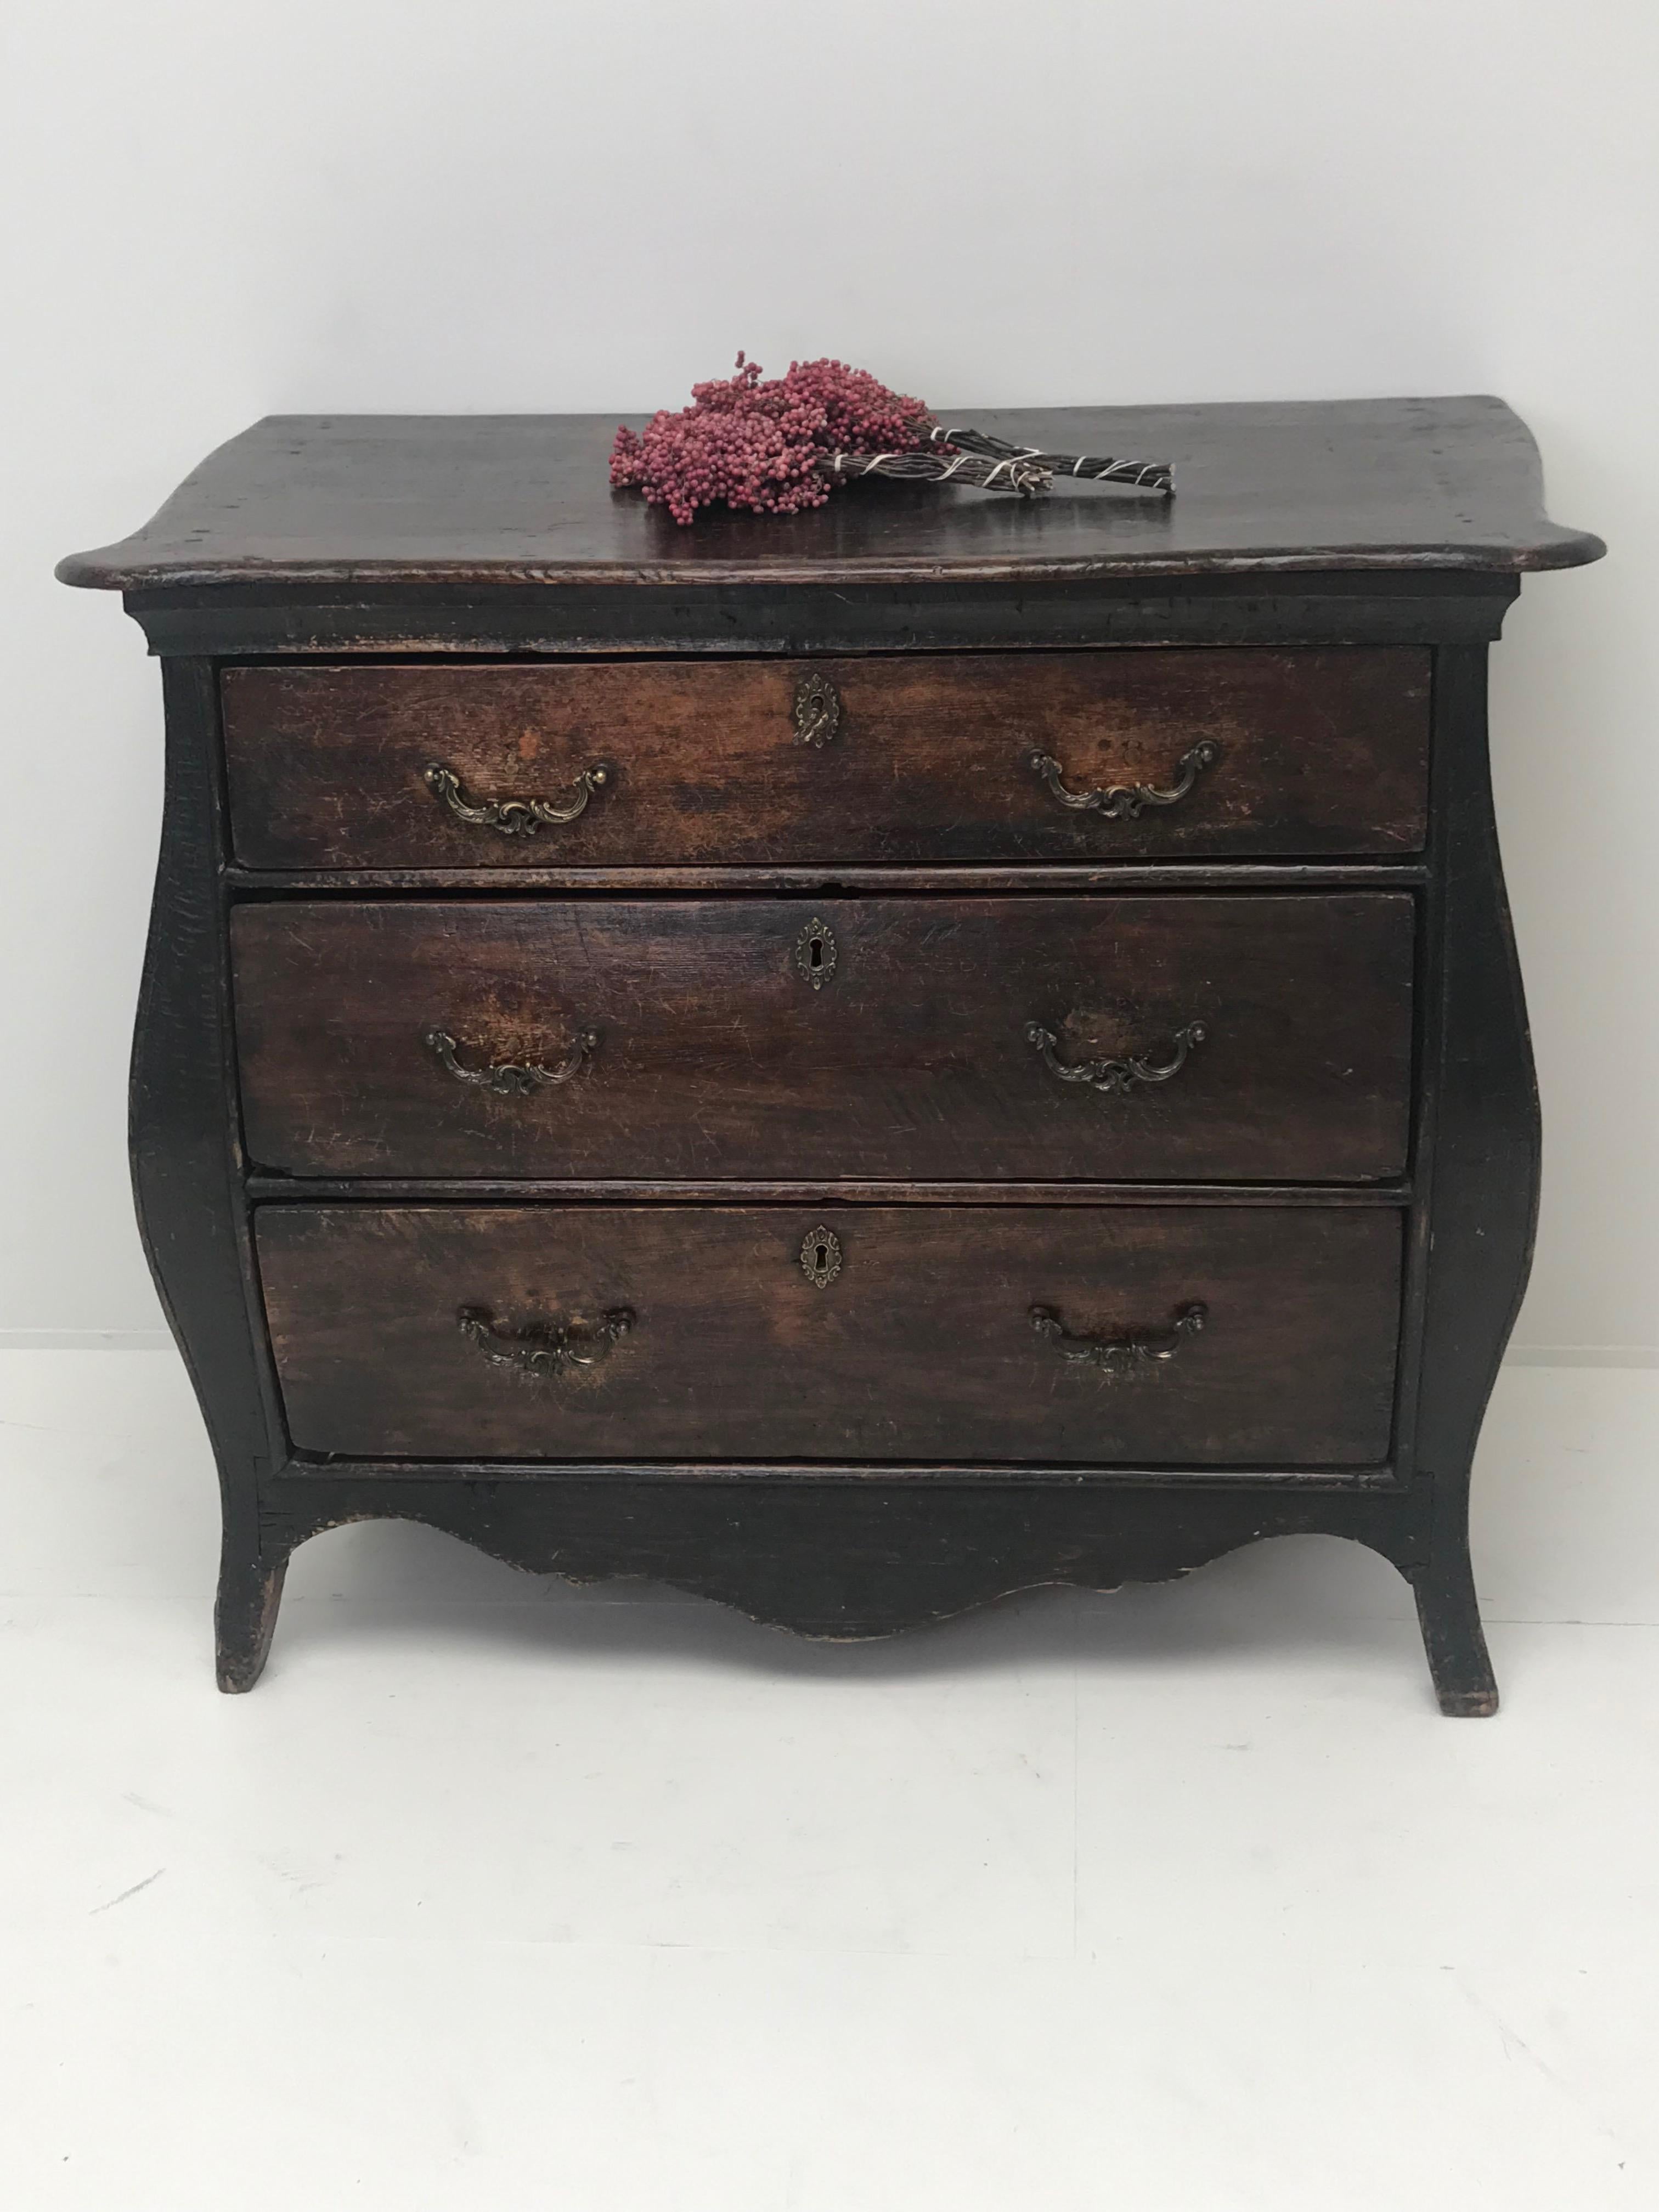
{"x":847,"y":1561}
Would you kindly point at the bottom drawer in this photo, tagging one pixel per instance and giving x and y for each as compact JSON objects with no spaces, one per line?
{"x":1198,"y":1336}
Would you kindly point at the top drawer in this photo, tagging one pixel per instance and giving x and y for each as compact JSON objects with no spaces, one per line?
{"x":1218,"y":751}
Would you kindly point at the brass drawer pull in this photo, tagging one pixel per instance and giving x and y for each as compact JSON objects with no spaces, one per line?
{"x":1114,"y":1075}
{"x":514,"y":817}
{"x":509,"y":1077}
{"x":545,"y":1348}
{"x":1119,"y":1355}
{"x":1123,"y":802}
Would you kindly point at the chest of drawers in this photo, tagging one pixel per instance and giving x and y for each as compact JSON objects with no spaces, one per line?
{"x":856,"y":1063}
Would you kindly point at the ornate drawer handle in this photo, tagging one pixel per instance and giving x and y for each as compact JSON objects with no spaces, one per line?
{"x":1119,"y":1355}
{"x":516,"y":818}
{"x":1109,"y":1075}
{"x":545,"y":1348}
{"x":1124,"y":802}
{"x":508,"y":1077}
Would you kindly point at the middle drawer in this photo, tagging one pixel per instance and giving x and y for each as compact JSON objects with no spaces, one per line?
{"x":1159,"y":1037}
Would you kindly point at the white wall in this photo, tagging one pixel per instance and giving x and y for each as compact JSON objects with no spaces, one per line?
{"x":215,"y":209}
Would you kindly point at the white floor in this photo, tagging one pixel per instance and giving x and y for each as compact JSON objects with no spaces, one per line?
{"x":498,"y":1895}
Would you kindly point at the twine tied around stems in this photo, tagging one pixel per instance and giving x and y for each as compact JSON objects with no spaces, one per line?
{"x":993,"y":464}
{"x":1093,"y":468}
{"x":1012,"y":473}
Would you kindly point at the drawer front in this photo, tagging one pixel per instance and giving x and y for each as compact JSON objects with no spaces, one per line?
{"x":916,"y":758}
{"x":1160,"y":1036}
{"x":1060,"y":1335}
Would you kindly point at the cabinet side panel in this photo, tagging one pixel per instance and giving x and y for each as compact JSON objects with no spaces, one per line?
{"x":185,"y":1165}
{"x":1484,"y":1176}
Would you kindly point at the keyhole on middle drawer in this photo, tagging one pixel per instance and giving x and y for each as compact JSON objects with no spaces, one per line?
{"x":820,"y":1257}
{"x":815,"y":952}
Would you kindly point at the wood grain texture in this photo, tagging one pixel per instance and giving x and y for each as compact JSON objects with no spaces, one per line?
{"x":841,"y":1190}
{"x":1261,"y":487}
{"x":717,"y":1058}
{"x":1042,"y":876}
{"x":923,"y":1347}
{"x":1318,"y":752}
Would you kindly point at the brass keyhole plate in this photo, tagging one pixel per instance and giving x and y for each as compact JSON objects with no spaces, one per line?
{"x":816,"y":714}
{"x":820,"y":1257}
{"x":815,"y":952}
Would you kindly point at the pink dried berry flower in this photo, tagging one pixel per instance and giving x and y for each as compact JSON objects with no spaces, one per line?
{"x":757,"y":443}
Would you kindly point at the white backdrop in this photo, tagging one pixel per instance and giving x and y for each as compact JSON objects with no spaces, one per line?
{"x":217,"y":210}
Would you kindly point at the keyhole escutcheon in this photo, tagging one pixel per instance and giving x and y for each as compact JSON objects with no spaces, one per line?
{"x":815,"y":952}
{"x":820,"y":1257}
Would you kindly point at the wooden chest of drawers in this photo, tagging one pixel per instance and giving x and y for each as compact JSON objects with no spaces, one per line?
{"x":855,"y":1063}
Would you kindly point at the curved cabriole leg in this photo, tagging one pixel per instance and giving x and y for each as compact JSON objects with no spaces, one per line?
{"x":1484,"y":1198}
{"x":186,"y":1171}
{"x":1449,"y":1616}
{"x":245,"y":1614}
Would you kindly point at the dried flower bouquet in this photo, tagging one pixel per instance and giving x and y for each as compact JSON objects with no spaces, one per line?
{"x":779,"y":444}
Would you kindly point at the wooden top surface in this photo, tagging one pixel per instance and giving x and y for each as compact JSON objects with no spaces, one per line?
{"x":1451,"y":484}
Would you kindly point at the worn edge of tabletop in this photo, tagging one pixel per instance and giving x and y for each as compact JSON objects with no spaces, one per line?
{"x":1535,"y":543}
